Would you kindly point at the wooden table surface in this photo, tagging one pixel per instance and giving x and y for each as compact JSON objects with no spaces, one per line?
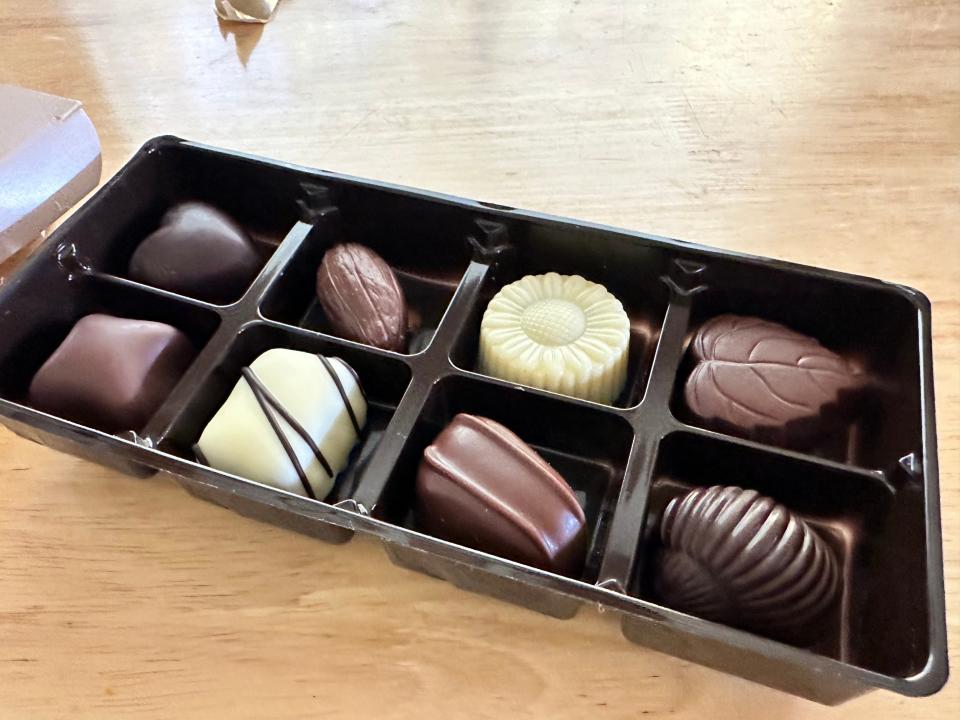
{"x":824,"y":132}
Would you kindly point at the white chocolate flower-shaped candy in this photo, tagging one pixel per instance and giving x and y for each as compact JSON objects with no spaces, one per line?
{"x":557,"y":332}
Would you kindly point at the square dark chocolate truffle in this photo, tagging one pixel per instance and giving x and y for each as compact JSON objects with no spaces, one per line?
{"x":111,"y":373}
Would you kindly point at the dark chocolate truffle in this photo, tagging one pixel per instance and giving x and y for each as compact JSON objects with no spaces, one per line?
{"x":737,"y":557}
{"x":361,"y":297}
{"x":111,"y":373}
{"x":481,"y":486}
{"x":764,"y":381}
{"x":197,"y":251}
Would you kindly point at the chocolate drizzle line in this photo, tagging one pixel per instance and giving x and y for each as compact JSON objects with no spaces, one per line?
{"x":355,"y":377}
{"x":343,"y":393}
{"x":268,"y":403}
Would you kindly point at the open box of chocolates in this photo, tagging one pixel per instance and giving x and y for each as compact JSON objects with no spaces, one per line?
{"x":734,"y":457}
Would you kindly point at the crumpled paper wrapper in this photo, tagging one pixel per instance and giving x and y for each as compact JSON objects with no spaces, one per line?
{"x":246,"y":11}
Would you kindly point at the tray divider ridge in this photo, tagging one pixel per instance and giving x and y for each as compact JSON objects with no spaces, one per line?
{"x":232,"y":318}
{"x":203,"y":364}
{"x":651,"y":420}
{"x":276,"y":264}
{"x":119,"y":282}
{"x":377,"y":472}
{"x":876,"y":477}
{"x":623,"y":541}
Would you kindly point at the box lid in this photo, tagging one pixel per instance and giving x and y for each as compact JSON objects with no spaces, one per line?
{"x":49,"y":159}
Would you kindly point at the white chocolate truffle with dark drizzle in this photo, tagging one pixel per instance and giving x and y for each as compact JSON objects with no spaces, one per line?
{"x":291,"y":422}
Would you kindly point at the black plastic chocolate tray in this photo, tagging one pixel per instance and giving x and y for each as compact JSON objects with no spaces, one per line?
{"x":873,"y":493}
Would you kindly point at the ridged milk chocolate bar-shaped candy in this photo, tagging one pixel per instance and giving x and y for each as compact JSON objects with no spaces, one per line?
{"x":481,"y":486}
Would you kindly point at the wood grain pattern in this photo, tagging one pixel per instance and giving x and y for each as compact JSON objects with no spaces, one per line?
{"x":824,"y":132}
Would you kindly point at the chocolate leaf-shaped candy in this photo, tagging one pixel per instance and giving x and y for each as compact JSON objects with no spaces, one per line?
{"x":765,"y":381}
{"x":361,"y":297}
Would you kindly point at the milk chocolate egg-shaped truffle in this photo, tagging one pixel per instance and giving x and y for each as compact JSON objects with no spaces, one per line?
{"x":362,"y":298}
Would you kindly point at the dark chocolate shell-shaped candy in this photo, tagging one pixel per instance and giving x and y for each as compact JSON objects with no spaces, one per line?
{"x":362,"y":298}
{"x":737,"y":557}
{"x":762,"y":380}
{"x":481,"y":486}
